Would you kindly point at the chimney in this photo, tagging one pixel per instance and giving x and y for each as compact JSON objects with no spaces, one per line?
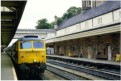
{"x":86,"y":5}
{"x":55,"y":23}
{"x":96,"y":3}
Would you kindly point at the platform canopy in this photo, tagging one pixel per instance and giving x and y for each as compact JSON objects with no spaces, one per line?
{"x":11,"y":13}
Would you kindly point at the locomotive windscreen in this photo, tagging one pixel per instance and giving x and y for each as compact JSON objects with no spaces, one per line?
{"x":38,"y":44}
{"x":25,"y":45}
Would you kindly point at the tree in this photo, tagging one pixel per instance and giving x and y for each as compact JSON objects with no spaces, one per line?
{"x":71,"y":12}
{"x":43,"y":24}
{"x":59,"y":20}
{"x":52,"y":25}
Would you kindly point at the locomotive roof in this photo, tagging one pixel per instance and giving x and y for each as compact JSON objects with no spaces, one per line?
{"x":25,"y":39}
{"x":30,"y":37}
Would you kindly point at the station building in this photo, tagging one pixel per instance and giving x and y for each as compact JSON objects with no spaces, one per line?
{"x":92,"y":34}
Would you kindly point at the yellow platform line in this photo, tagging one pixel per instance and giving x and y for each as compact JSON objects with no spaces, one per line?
{"x":14,"y":73}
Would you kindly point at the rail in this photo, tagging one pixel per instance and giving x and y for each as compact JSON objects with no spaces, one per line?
{"x":69,"y":74}
{"x":109,"y":71}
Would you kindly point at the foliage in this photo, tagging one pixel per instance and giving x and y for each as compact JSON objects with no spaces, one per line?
{"x":59,"y":20}
{"x":52,"y":25}
{"x":43,"y":24}
{"x":71,"y":12}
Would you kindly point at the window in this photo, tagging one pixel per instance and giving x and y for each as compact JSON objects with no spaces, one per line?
{"x":86,"y":24}
{"x":38,"y":44}
{"x":25,"y":45}
{"x":99,"y":20}
{"x":119,"y":14}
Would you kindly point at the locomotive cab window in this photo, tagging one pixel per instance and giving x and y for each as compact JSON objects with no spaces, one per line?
{"x":38,"y":44}
{"x":26,"y":45}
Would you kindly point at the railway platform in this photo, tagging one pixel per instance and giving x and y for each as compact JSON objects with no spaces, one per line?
{"x":7,"y":68}
{"x":105,"y":62}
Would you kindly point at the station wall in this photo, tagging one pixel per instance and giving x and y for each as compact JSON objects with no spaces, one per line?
{"x":95,"y":47}
{"x":99,"y":21}
{"x":104,"y":46}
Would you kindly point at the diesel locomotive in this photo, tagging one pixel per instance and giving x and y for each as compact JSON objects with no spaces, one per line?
{"x":29,"y":56}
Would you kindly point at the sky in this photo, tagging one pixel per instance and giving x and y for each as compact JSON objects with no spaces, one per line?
{"x":39,"y":9}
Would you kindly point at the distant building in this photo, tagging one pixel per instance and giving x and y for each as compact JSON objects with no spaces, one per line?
{"x":42,"y":33}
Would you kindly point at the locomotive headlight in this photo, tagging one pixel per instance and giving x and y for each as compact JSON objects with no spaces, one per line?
{"x":27,"y":55}
{"x":37,"y":55}
{"x":42,"y":53}
{"x":34,"y":60}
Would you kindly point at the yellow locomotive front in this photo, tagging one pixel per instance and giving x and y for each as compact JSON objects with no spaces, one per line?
{"x":31,"y":52}
{"x":31,"y":56}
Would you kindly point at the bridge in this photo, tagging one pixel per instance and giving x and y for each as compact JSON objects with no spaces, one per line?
{"x":42,"y":33}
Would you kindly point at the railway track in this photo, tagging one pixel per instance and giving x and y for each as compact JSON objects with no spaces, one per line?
{"x":66,"y":73}
{"x":91,"y":71}
{"x":48,"y":75}
{"x":74,"y":71}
